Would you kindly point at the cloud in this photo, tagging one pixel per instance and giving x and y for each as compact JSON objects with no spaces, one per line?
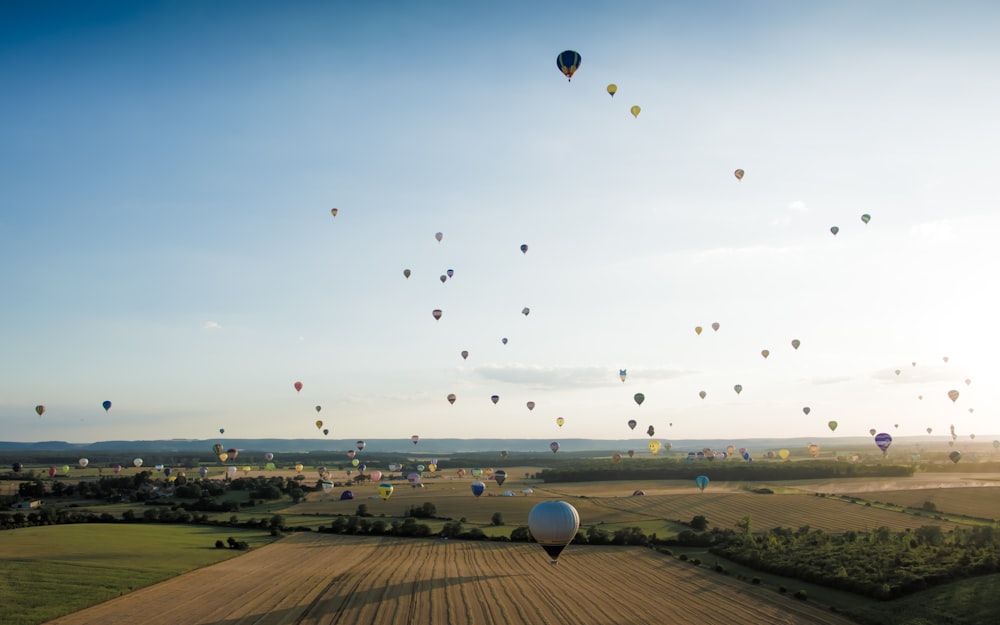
{"x":574,"y":376}
{"x":212,"y":325}
{"x":797,"y":205}
{"x":938,"y":231}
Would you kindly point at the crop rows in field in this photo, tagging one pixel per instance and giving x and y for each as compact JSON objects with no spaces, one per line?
{"x":982,"y":502}
{"x":310,"y":579}
{"x":723,"y":510}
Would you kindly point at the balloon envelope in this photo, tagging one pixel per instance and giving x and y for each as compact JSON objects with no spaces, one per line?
{"x":560,"y":421}
{"x":796,"y":343}
{"x":612,"y":89}
{"x":137,"y":462}
{"x":883,"y":440}
{"x":500,"y":477}
{"x":738,"y":388}
{"x":495,"y":398}
{"x":832,"y":425}
{"x":385,"y":490}
{"x":465,"y":354}
{"x":40,"y":409}
{"x":107,"y":405}
{"x":955,"y":456}
{"x":568,"y":62}
{"x":298,"y":386}
{"x":739,"y":174}
{"x":554,"y":446}
{"x":654,"y":447}
{"x":635,"y":111}
{"x":83,"y":462}
{"x":524,"y":248}
{"x":553,"y":525}
{"x":953,"y":395}
{"x":437,"y":313}
{"x":639,"y":398}
{"x":478,"y":488}
{"x":632,"y":423}
{"x":439,"y":236}
{"x":701,"y":481}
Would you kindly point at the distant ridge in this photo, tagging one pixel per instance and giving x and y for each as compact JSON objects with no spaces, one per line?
{"x":427,"y":446}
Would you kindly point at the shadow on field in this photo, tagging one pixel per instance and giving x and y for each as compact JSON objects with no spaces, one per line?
{"x":342,"y":594}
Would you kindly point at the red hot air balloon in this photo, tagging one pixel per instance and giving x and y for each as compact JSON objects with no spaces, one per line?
{"x":298,"y":387}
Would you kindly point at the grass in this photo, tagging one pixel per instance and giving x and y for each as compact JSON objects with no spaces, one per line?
{"x":46,"y":572}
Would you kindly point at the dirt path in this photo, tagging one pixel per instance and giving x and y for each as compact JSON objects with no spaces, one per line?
{"x":312,"y":579}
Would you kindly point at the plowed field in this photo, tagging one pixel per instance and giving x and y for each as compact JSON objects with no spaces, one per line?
{"x":982,"y":502}
{"x":312,"y":579}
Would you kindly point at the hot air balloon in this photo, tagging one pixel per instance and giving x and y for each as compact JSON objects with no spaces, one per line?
{"x":451,"y":398}
{"x":414,"y":439}
{"x":929,"y":430}
{"x":612,"y":89}
{"x":866,"y":218}
{"x":738,"y":388}
{"x":560,"y":421}
{"x":437,"y":313}
{"x":632,"y":423}
{"x":796,"y":343}
{"x":697,"y":329}
{"x":832,"y":425}
{"x":898,"y":371}
{"x":525,"y":311}
{"x":715,"y":326}
{"x":568,"y":62}
{"x":783,"y":454}
{"x":650,"y":431}
{"x":40,"y":409}
{"x":107,"y":405}
{"x":319,"y":425}
{"x":83,"y":462}
{"x":222,"y":430}
{"x":739,"y":174}
{"x":524,"y":248}
{"x":406,"y":273}
{"x":872,"y":431}
{"x":504,"y":340}
{"x":16,"y":467}
{"x":504,"y":453}
{"x":553,"y":525}
{"x":443,"y":278}
{"x":217,"y":449}
{"x":883,"y":441}
{"x":298,"y":387}
{"x":530,"y":405}
{"x":494,"y":398}
{"x":807,"y":410}
{"x":955,"y":456}
{"x":385,"y":490}
{"x":52,"y":472}
{"x":554,"y":446}
{"x":622,"y":373}
{"x":450,"y":273}
{"x":318,"y":408}
{"x":616,"y":457}
{"x":834,"y":230}
{"x":414,"y":478}
{"x":137,"y":462}
{"x":232,"y":453}
{"x":639,"y":398}
{"x":465,"y":354}
{"x":500,"y":477}
{"x":326,"y":431}
{"x":996,"y":444}
{"x":630,"y":452}
{"x":635,"y":111}
{"x":968,"y":381}
{"x":702,"y":394}
{"x":701,"y":481}
{"x":765,"y":353}
{"x":298,"y":467}
{"x":654,"y":447}
{"x":813,"y":449}
{"x":334,"y":211}
{"x":478,"y":488}
{"x":351,"y":453}
{"x":439,"y":236}
{"x":953,"y":395}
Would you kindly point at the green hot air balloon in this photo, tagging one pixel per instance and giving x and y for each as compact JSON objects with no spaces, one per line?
{"x":639,"y":398}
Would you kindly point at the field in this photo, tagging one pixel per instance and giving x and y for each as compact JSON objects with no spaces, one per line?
{"x":47,"y":571}
{"x":315,"y":579}
{"x":978,"y":502}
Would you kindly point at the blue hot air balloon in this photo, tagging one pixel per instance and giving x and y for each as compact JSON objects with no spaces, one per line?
{"x":107,"y":405}
{"x":568,"y":62}
{"x":883,"y":441}
{"x":478,"y":488}
{"x":701,"y":481}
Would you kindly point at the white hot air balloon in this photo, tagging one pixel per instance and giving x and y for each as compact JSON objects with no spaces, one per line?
{"x":553,"y":525}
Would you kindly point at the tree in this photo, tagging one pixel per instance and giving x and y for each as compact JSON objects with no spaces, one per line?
{"x":699,"y":523}
{"x":497,"y":519}
{"x":744,"y":525}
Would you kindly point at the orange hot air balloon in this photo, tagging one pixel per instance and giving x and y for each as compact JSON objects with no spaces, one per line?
{"x":298,"y":386}
{"x":739,"y":174}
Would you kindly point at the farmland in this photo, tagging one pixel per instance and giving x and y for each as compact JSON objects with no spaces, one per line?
{"x":313,"y":579}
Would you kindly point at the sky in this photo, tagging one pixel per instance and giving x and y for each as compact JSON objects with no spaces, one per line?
{"x":167,"y":171}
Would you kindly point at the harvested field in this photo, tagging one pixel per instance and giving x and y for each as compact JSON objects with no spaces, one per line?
{"x":723,"y":510}
{"x":982,"y":502}
{"x":312,"y":579}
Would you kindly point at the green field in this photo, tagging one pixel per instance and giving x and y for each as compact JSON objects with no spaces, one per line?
{"x":49,"y":571}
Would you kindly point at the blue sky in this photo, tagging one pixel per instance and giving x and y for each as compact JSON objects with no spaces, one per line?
{"x":167,"y":171}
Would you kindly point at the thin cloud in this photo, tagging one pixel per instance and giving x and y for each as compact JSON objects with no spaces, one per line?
{"x":554,"y":377}
{"x":212,"y":325}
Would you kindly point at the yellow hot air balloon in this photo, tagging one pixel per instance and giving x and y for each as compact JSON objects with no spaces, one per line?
{"x":697,"y":329}
{"x":783,"y":454}
{"x":612,"y":89}
{"x":654,"y":447}
{"x":319,"y":425}
{"x":385,"y":490}
{"x":635,"y":111}
{"x":299,"y":467}
{"x":560,"y":421}
{"x":223,"y":457}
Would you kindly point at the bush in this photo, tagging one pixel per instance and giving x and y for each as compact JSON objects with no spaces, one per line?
{"x":782,"y":589}
{"x":497,"y":519}
{"x":755,"y":581}
{"x":683,"y":557}
{"x":220,"y":545}
{"x":801,"y":595}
